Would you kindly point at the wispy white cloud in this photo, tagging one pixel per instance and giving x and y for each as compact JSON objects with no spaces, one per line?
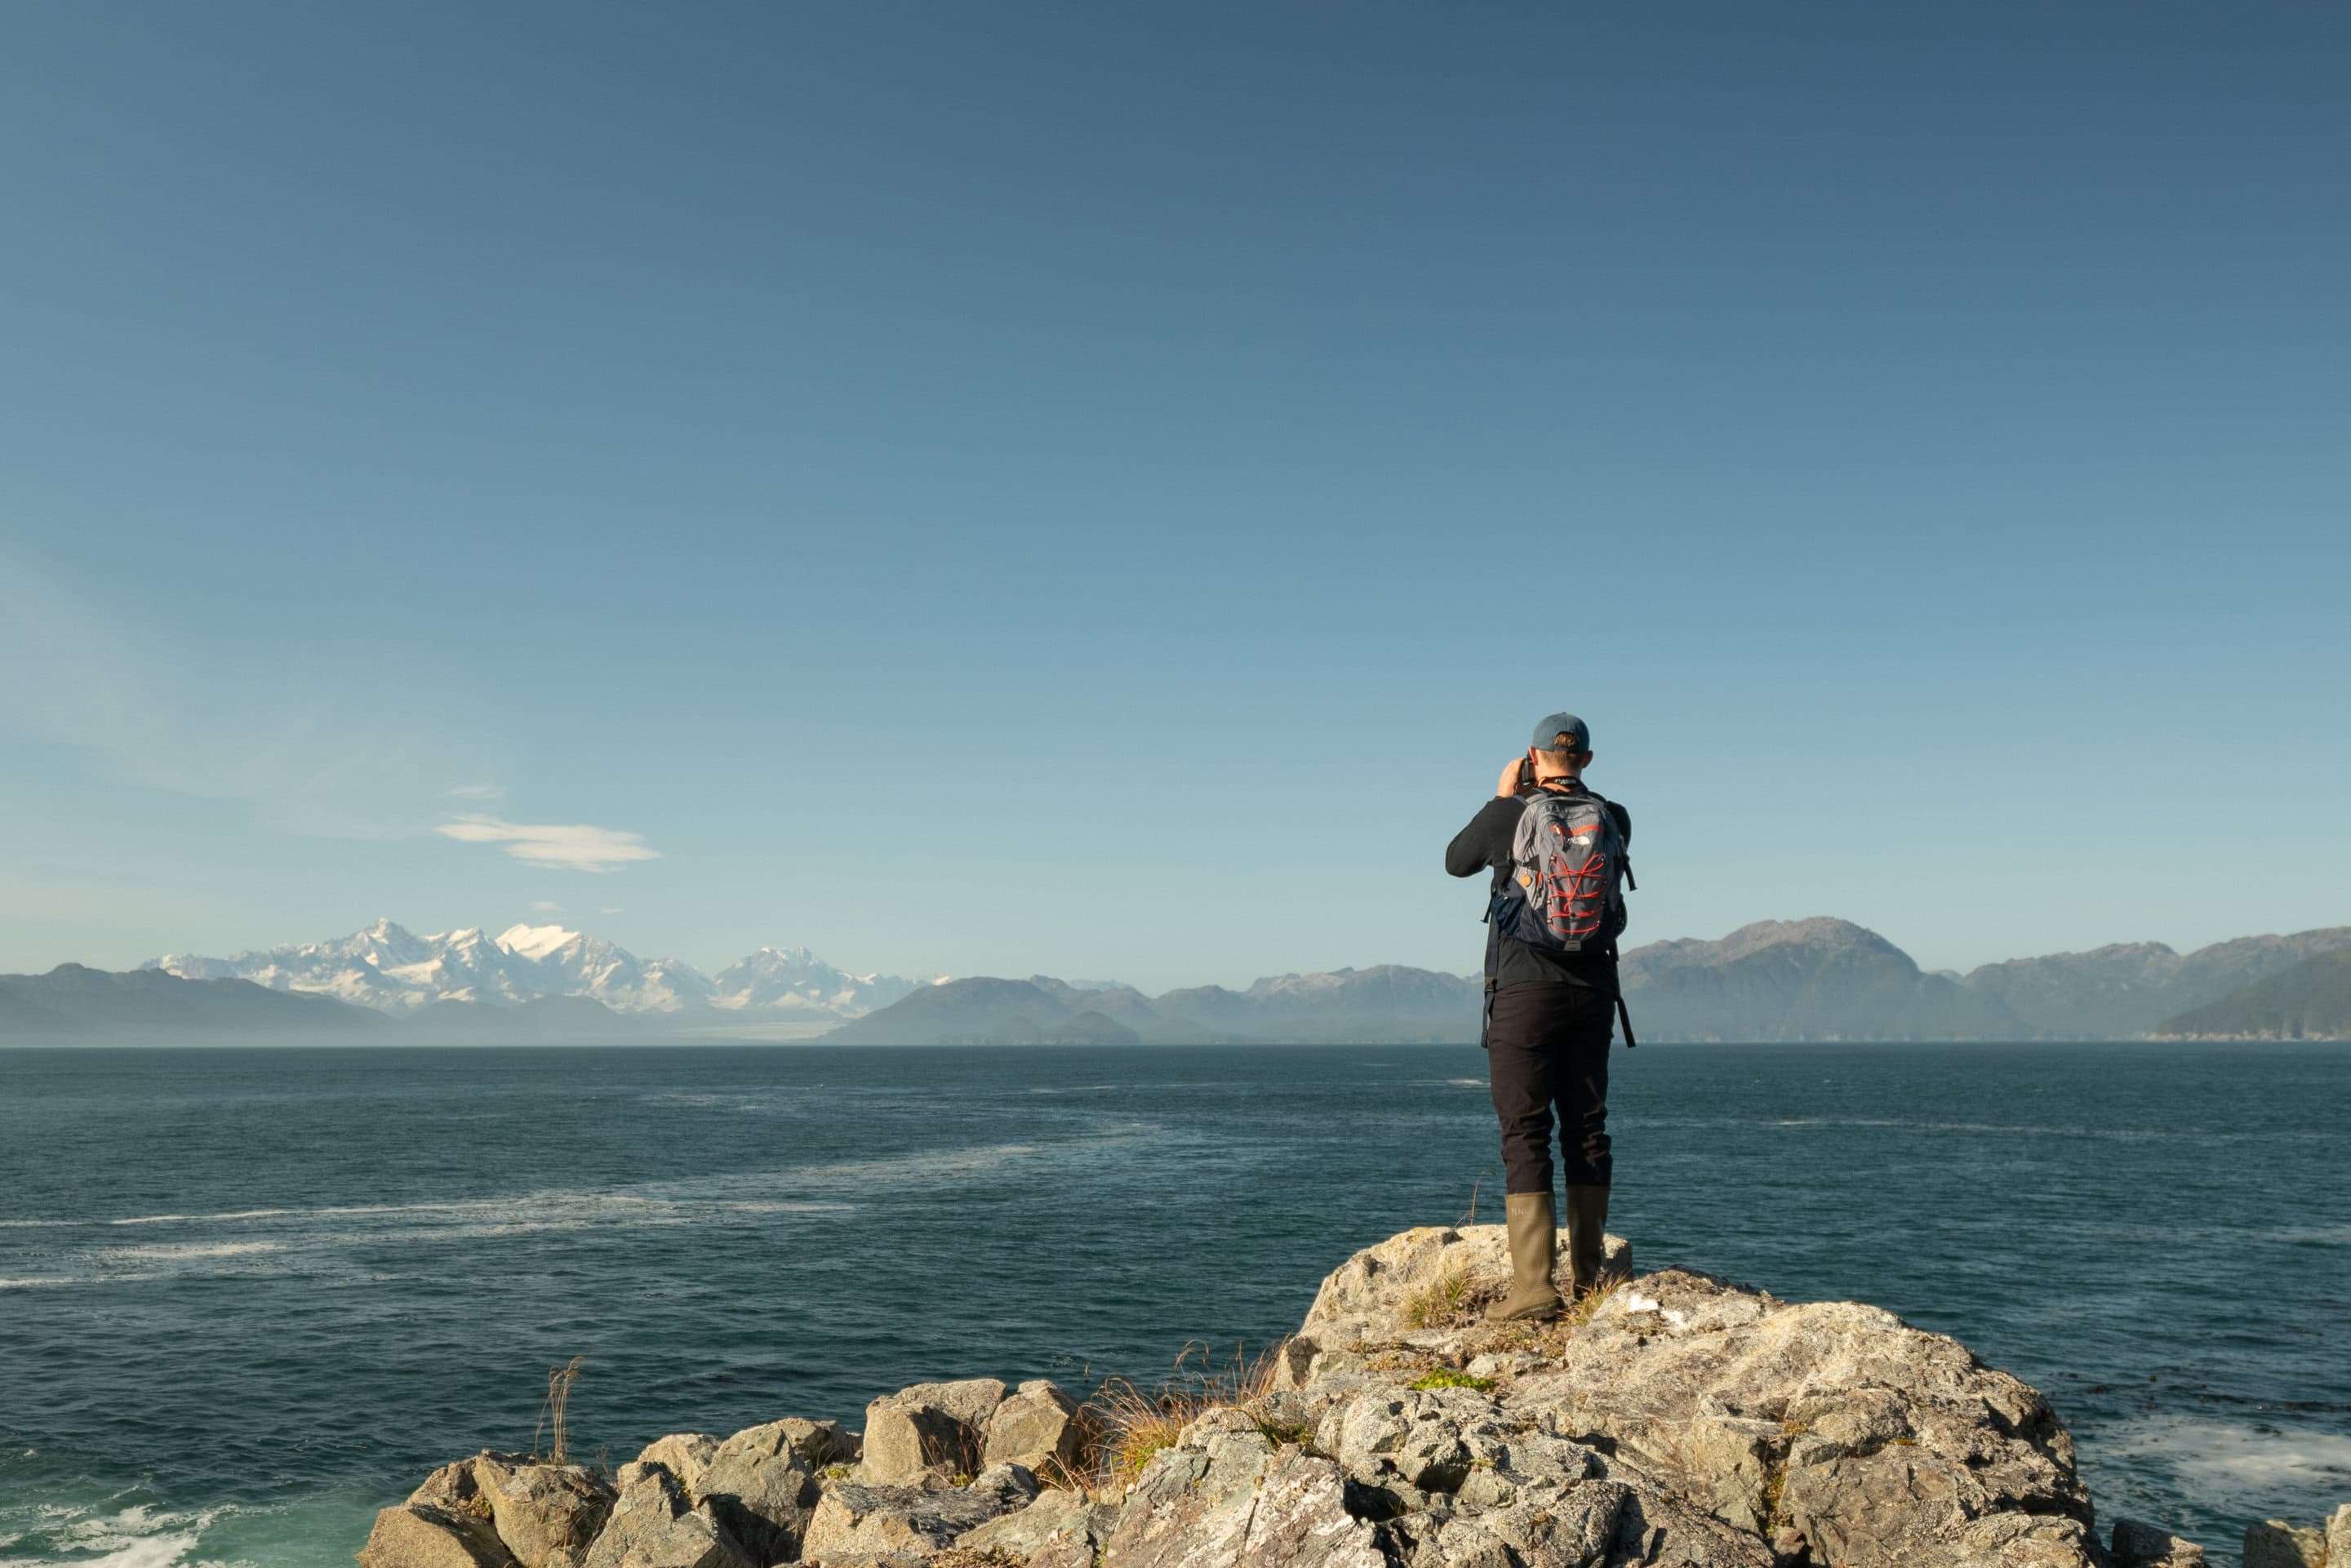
{"x":545,"y":907}
{"x":325,"y":756}
{"x":572,"y":846}
{"x":329,"y":758}
{"x":615,"y":909}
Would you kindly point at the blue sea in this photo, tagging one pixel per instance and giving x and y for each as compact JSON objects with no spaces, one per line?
{"x":248,"y":1297}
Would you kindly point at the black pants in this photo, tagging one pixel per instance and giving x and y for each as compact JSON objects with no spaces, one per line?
{"x":1547,"y":1045}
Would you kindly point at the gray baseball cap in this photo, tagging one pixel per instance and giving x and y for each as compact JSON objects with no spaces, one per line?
{"x":1549,"y":734}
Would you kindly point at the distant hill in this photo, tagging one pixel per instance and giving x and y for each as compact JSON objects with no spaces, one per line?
{"x":2311,"y":1000}
{"x":1801,"y":980}
{"x":73,"y":1005}
{"x":2116,"y":992}
{"x":1386,"y":1005}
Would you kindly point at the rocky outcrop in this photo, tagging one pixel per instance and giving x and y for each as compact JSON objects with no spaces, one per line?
{"x":545,"y":1514}
{"x":1677,"y":1419}
{"x":1224,"y":1495}
{"x":761,"y":1483}
{"x":932,"y":1427}
{"x":654,"y":1525}
{"x":860,"y":1523}
{"x":2138,"y":1545}
{"x":2274,"y":1543}
{"x":493,"y":1510}
{"x":1039,"y":1426}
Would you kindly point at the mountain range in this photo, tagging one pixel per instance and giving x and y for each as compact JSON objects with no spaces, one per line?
{"x":391,"y":970}
{"x":1774,"y":980}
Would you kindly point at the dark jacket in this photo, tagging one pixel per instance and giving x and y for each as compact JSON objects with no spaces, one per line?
{"x":1484,"y":846}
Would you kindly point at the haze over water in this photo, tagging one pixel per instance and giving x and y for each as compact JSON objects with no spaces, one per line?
{"x":248,"y":1297}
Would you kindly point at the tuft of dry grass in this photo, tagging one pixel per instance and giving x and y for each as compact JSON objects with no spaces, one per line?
{"x":1127,"y":1423}
{"x":555,"y":1412}
{"x":1579,"y":1310}
{"x":1452,"y":1300}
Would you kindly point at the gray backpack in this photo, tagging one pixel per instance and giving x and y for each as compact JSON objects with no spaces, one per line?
{"x":1567,"y":865}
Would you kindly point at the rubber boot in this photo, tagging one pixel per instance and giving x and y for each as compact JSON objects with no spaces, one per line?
{"x":1587,"y":1237}
{"x":1533,"y":1245}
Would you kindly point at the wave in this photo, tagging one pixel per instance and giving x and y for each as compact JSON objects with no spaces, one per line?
{"x":2229,"y":1458}
{"x":141,"y":1536}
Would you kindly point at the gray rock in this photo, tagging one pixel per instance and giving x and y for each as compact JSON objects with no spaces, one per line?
{"x":1300,"y":1520}
{"x":1191,"y":1505}
{"x":423,"y":1535}
{"x":545,"y":1514}
{"x":454,"y":1486}
{"x":2274,"y":1543}
{"x":1500,"y":1364}
{"x":868,"y":1521}
{"x":1436,"y":1542}
{"x":1658,"y":1532}
{"x":1039,"y":1427}
{"x":1224,"y":1496}
{"x":2138,"y":1545}
{"x":1056,"y":1513}
{"x":1887,"y":1444}
{"x":2338,"y":1537}
{"x":653,"y":1525}
{"x":929,"y":1426}
{"x":1580,"y":1527}
{"x":685,"y":1455}
{"x":761,"y":1483}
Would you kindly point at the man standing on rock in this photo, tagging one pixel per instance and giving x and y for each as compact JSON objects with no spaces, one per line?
{"x":1557,"y":853}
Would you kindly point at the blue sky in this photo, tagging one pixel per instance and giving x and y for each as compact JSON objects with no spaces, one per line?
{"x":1102,"y":490}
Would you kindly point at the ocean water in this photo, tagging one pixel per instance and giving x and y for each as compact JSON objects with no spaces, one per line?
{"x":247,"y":1297}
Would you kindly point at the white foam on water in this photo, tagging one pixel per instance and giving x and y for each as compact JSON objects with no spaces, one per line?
{"x":183,"y":1251}
{"x":913,"y":1167}
{"x":306,"y":1235}
{"x":138,"y":1537}
{"x":38,"y":1224}
{"x":2115,"y":1134}
{"x":2229,"y":1458}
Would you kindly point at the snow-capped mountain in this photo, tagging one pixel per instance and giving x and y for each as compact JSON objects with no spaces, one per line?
{"x":393,"y":970}
{"x":793,"y":979}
